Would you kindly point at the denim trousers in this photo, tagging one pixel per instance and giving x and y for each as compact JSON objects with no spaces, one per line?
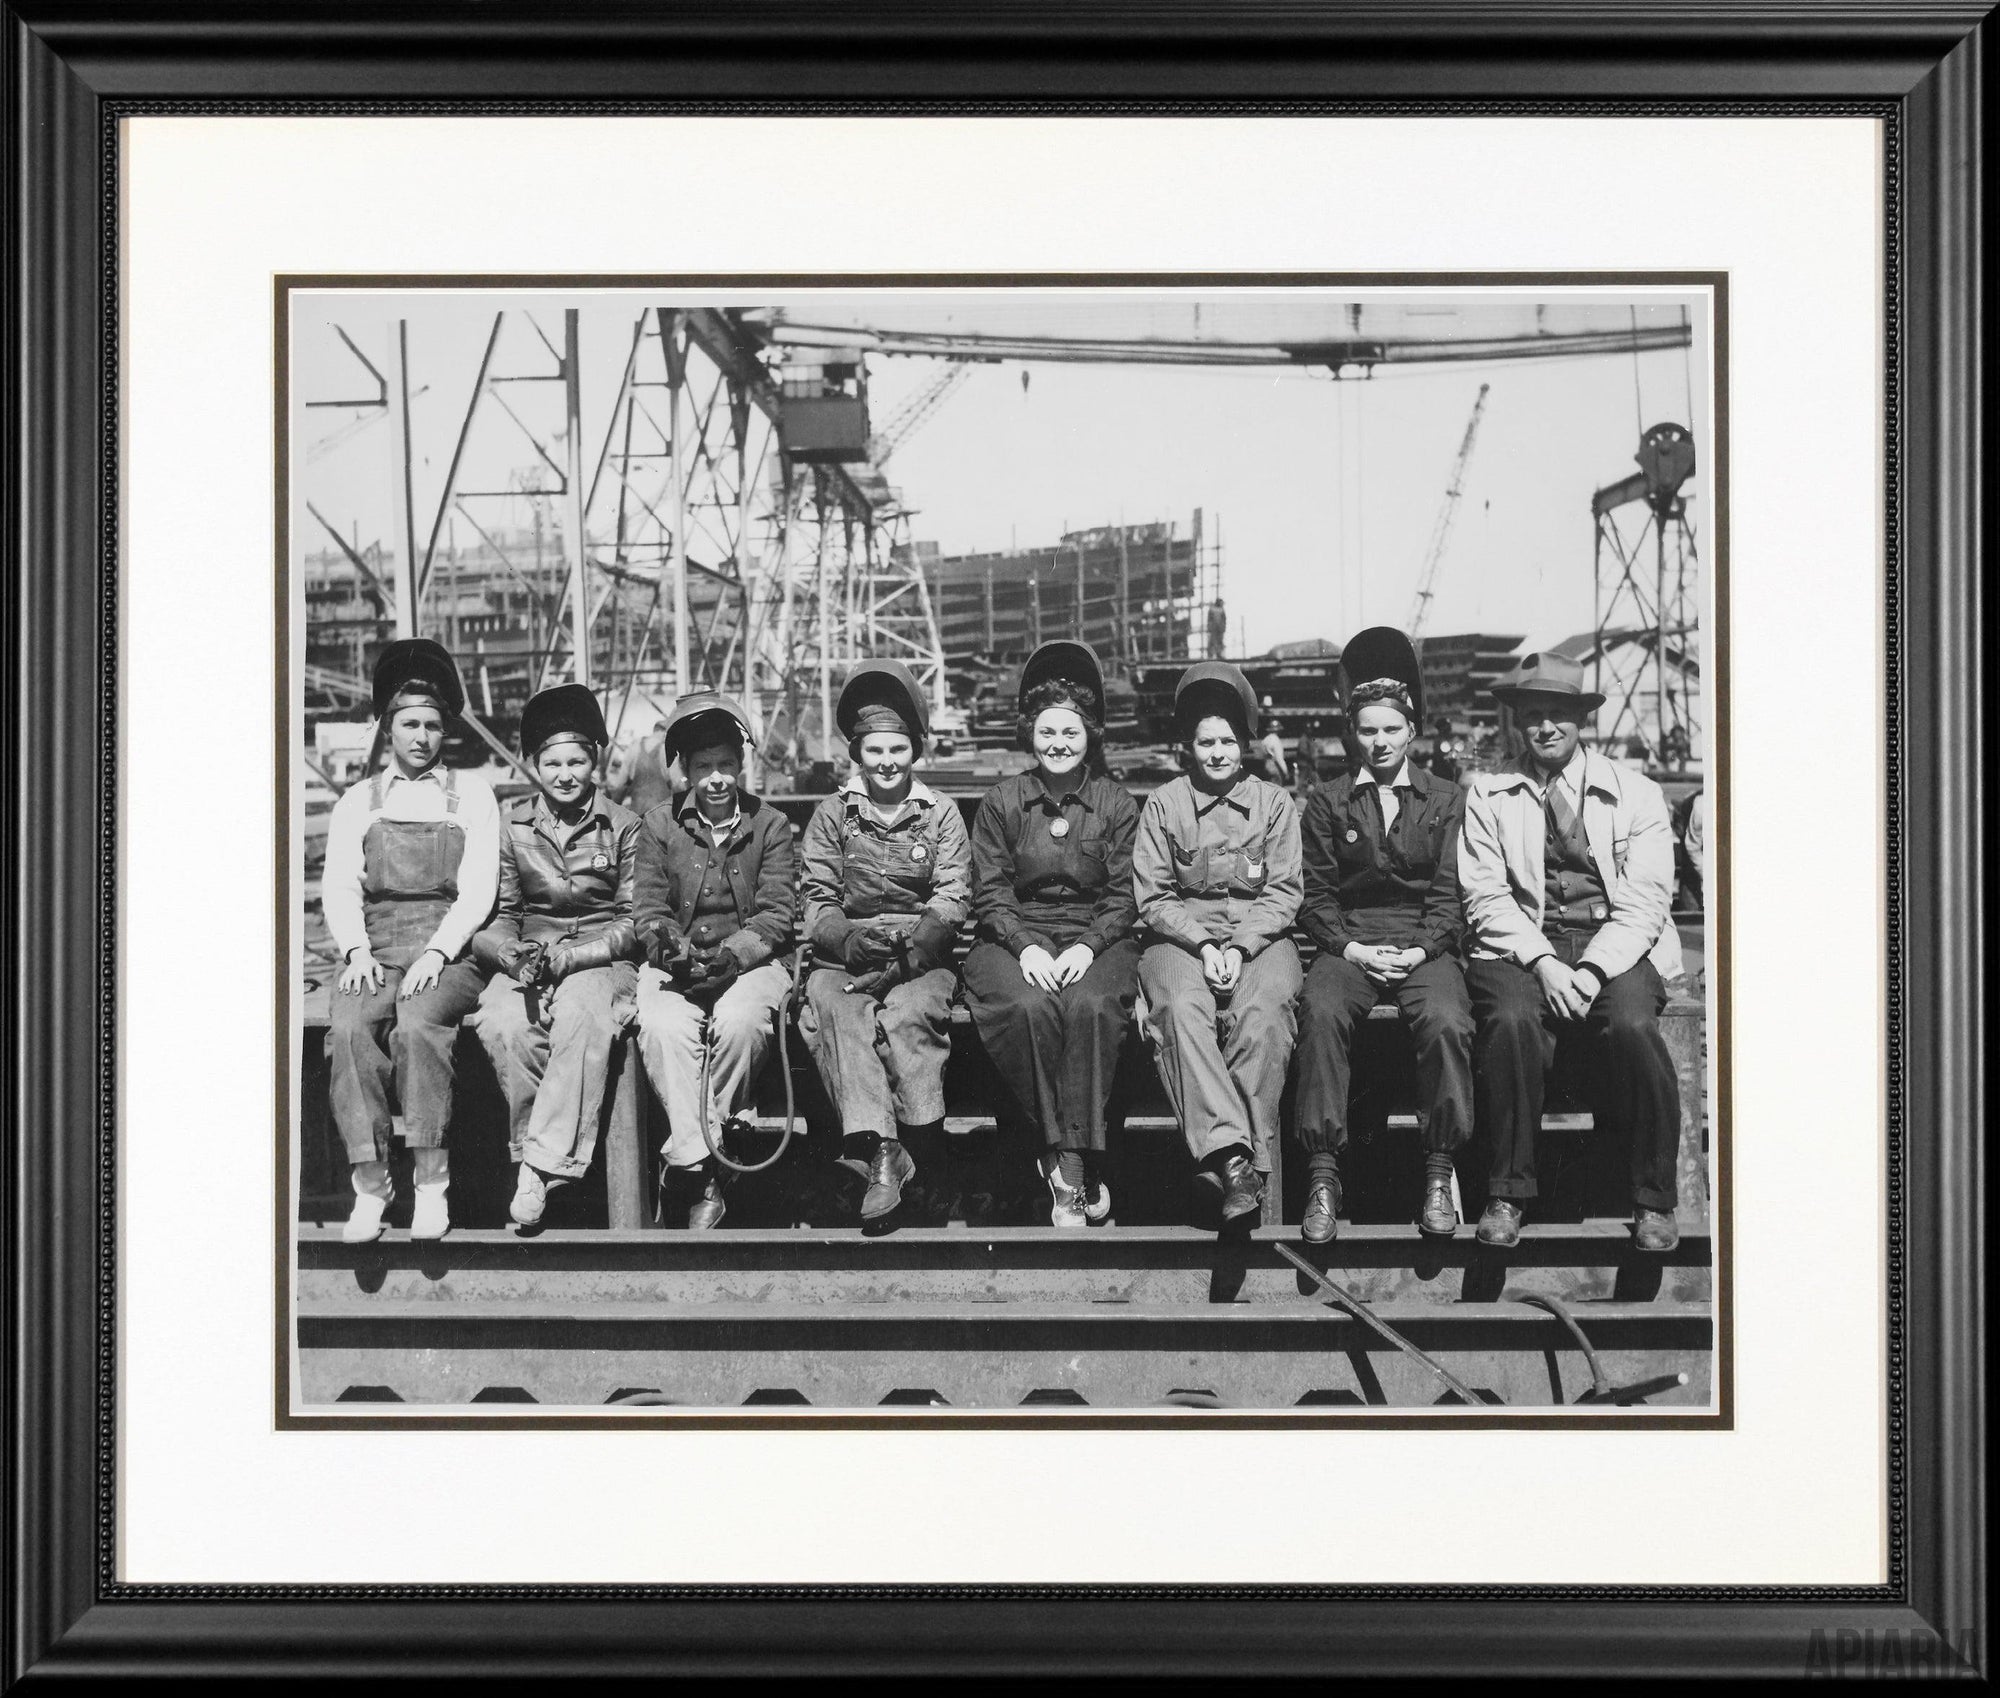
{"x":740,"y":1032}
{"x":551,"y":1049}
{"x":383,"y":1052}
{"x":1222,"y":1059}
{"x":881,"y":1058}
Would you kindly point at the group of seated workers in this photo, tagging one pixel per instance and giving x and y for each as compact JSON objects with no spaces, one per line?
{"x":1527,"y":910}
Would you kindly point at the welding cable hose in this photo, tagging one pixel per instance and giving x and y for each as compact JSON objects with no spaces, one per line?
{"x":784,"y":1017}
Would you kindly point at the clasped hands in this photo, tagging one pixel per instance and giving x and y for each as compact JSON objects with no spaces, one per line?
{"x":1383,"y":964}
{"x":1221,"y":965}
{"x":1568,"y":992}
{"x":1051,"y":972}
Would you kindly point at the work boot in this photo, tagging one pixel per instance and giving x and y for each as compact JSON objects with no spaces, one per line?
{"x":1500,"y":1225}
{"x":372,"y":1192}
{"x":1063,"y":1169}
{"x":1655,"y":1230}
{"x":888,"y":1173}
{"x":1242,"y":1189}
{"x":709,"y":1207}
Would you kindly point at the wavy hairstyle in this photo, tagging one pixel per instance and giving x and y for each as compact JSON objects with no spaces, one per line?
{"x":1062,"y":693}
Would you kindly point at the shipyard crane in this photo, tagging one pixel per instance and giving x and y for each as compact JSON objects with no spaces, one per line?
{"x":1427,"y":574}
{"x":917,"y":410}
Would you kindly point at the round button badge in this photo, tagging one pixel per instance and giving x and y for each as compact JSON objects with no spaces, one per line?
{"x":1059,"y":827}
{"x":600,"y":862}
{"x":1352,"y":835}
{"x":917,"y":851}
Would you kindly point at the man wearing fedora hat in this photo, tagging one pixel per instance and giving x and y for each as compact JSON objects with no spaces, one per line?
{"x":1567,"y":867}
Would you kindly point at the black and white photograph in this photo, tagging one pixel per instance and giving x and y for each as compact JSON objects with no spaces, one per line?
{"x":1003,"y":848}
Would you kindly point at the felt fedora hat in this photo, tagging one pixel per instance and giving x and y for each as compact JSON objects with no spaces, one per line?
{"x":425,"y":668}
{"x":1546,"y":673}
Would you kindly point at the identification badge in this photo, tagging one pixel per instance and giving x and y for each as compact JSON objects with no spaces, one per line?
{"x":600,"y":862}
{"x":1598,"y":911}
{"x":1059,"y":827}
{"x":918,"y":851}
{"x":1352,"y":834}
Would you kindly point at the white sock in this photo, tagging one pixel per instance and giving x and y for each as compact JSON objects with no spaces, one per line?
{"x":371,"y":1179}
{"x":431,"y":1167}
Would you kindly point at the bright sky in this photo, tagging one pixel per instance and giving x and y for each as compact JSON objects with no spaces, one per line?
{"x":1325,"y":492}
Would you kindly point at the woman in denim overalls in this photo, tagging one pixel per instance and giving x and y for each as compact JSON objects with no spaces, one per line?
{"x":412,"y":857}
{"x":886,"y":876}
{"x":562,"y":948}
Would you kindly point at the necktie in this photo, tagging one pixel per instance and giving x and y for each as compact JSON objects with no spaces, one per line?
{"x":1561,"y":816}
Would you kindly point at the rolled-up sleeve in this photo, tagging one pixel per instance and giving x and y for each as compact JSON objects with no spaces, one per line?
{"x":1270,"y":916}
{"x":1155,"y":891}
{"x":951,"y":881}
{"x":478,"y":869}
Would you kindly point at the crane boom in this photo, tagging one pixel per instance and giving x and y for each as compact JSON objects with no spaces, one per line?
{"x":916,"y":411}
{"x":1427,"y":574}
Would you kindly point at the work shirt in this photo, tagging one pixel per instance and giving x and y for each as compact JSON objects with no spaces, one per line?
{"x":1054,"y":868}
{"x":1218,"y":869}
{"x":853,"y":866}
{"x":423,"y":798}
{"x":1503,"y":868}
{"x":1381,"y":862}
{"x":733,"y":888}
{"x":570,"y":886}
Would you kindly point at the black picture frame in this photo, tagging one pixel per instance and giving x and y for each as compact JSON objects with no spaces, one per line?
{"x":74,"y":69}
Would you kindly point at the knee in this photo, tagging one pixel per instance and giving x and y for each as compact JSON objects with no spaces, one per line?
{"x":1511,"y":1025}
{"x":1628,"y":1026}
{"x":736,"y":1027}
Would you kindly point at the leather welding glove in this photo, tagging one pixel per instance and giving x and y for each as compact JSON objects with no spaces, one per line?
{"x":930,"y":943}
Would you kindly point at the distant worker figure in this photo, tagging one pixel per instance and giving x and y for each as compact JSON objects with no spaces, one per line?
{"x":1382,"y":903}
{"x":1567,"y":865}
{"x":1272,"y":747}
{"x":645,"y":781}
{"x":885,"y":876}
{"x":412,"y":860}
{"x":1052,"y":978}
{"x":1445,"y":752}
{"x":1215,"y":870}
{"x":1305,"y":758}
{"x":562,"y":947}
{"x":1218,"y":629}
